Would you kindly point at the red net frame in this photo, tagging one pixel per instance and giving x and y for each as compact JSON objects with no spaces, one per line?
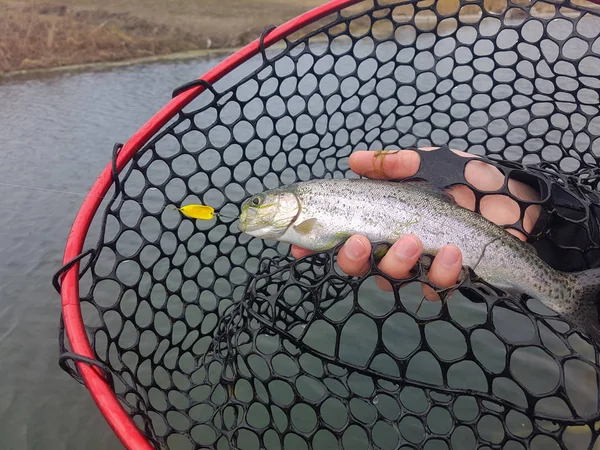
{"x":116,"y":416}
{"x":123,"y":426}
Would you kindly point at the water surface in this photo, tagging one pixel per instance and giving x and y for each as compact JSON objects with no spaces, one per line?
{"x":57,"y":133}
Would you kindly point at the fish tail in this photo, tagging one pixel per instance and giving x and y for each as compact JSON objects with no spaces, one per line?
{"x":585,"y":310}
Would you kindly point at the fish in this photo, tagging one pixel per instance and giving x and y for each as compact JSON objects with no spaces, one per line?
{"x":321,"y":213}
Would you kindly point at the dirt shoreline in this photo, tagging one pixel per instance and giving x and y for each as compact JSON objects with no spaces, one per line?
{"x":102,"y":65}
{"x":76,"y":34}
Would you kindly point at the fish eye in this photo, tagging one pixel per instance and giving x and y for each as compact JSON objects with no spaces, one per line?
{"x":256,"y":201}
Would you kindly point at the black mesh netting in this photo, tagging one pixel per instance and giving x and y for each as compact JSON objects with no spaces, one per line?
{"x":219,"y":340}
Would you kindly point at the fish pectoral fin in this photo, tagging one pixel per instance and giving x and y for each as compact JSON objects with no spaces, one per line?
{"x":306,"y":227}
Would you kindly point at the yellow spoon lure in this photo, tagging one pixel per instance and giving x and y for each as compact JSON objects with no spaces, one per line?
{"x":201,"y":212}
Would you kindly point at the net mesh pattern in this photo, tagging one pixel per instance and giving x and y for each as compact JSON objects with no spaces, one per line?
{"x":219,"y":340}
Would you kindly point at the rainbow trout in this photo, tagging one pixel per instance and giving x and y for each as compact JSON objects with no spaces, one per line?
{"x":319,"y":214}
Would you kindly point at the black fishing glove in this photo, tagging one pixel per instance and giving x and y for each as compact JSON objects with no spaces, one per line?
{"x":567,"y":233}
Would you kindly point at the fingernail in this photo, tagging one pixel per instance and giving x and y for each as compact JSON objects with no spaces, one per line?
{"x":407,"y":247}
{"x":449,"y":256}
{"x":355,"y":249}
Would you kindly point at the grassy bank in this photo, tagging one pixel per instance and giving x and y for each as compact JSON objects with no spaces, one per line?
{"x":36,"y":35}
{"x":74,"y":32}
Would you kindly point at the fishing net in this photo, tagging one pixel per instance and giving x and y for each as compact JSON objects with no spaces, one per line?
{"x":203,"y":337}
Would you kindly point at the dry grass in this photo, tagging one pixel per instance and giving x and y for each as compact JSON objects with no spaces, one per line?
{"x":31,"y":41}
{"x":35,"y":35}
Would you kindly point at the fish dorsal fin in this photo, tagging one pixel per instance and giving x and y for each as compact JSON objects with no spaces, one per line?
{"x":306,"y":227}
{"x":429,"y":188}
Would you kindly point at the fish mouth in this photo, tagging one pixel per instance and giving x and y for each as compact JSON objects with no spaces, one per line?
{"x":243,"y":225}
{"x":248,"y":229}
{"x":242,"y":218}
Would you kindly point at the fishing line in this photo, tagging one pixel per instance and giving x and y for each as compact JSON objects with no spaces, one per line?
{"x":200,"y":212}
{"x":44,"y":189}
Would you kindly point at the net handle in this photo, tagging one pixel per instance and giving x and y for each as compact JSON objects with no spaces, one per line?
{"x":106,"y":400}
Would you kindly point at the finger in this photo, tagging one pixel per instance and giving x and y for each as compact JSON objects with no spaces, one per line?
{"x":445,"y":270}
{"x":354,"y":257}
{"x":532,"y":212}
{"x":383,"y":165}
{"x":300,"y":252}
{"x":446,"y":266}
{"x":500,"y":209}
{"x":390,"y":164}
{"x":400,"y":259}
{"x":463,"y":196}
{"x":484,"y":176}
{"x":503,"y":210}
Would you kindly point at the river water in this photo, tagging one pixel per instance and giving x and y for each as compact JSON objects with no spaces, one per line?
{"x":57,"y":134}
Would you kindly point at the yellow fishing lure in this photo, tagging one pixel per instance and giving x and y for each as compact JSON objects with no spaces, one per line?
{"x":201,"y":212}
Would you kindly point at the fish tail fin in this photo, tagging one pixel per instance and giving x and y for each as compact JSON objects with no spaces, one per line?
{"x":585,"y":310}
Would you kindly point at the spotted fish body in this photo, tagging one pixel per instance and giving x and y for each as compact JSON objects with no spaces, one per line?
{"x":319,"y":214}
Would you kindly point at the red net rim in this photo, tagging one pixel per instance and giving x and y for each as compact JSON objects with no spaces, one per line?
{"x":106,"y":400}
{"x":116,"y":416}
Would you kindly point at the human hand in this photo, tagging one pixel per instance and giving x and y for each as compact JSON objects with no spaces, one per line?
{"x":354,"y":256}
